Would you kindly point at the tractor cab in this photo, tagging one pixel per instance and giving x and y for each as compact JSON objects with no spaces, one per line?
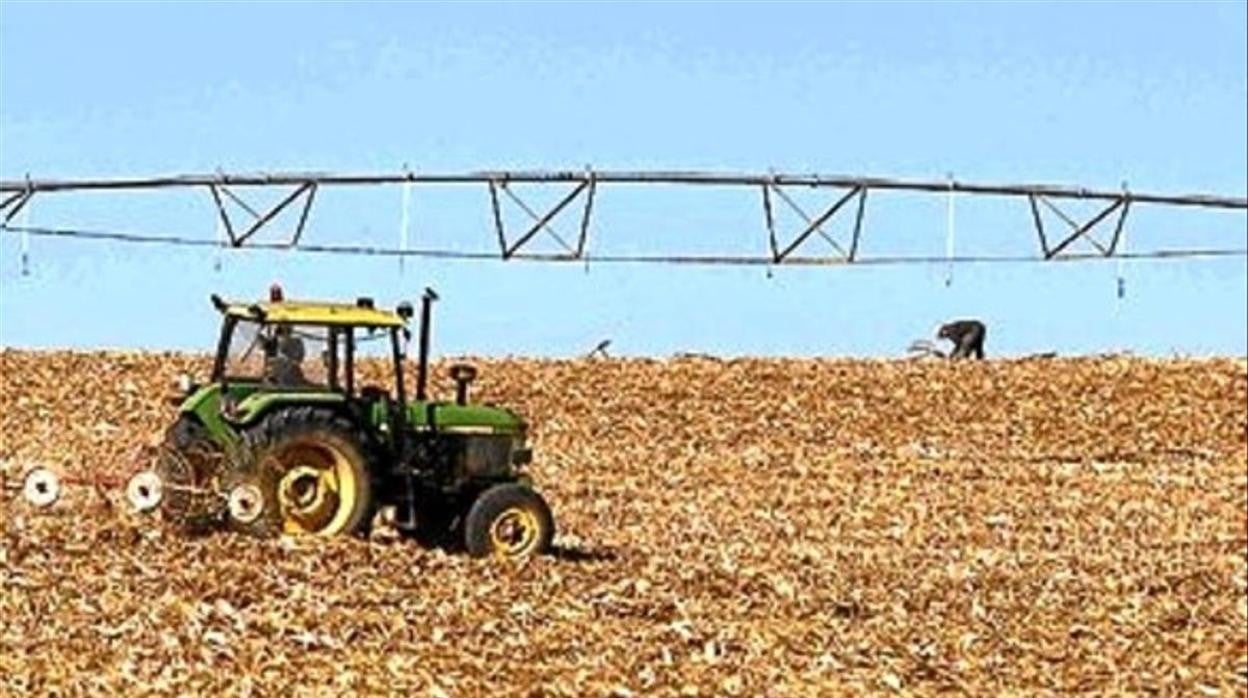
{"x":319,"y":439}
{"x":296,"y":345}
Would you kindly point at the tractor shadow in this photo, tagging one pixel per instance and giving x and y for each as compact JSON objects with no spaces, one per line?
{"x":575,"y":553}
{"x":579,"y":554}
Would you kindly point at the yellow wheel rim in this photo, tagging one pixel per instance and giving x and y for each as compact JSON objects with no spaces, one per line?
{"x":318,"y":489}
{"x":515,"y":532}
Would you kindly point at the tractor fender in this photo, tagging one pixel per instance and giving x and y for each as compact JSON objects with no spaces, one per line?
{"x":251,"y":413}
{"x":254,"y":407}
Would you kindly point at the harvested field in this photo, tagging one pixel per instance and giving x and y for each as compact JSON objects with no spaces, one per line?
{"x":752,"y":527}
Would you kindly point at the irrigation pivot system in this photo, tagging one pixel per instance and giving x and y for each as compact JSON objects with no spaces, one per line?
{"x":1099,"y":235}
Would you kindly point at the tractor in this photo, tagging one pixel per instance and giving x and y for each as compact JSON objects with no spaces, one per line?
{"x":284,"y":439}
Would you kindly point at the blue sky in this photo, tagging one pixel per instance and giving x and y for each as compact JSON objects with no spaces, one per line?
{"x":1088,"y":94}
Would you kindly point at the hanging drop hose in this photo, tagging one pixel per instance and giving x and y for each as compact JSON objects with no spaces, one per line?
{"x":404,"y":221}
{"x":949,"y":235}
{"x":24,"y":253}
{"x":1122,"y":279}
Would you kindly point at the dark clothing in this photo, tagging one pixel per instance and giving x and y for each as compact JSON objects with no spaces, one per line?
{"x":285,"y":367}
{"x":968,"y":338}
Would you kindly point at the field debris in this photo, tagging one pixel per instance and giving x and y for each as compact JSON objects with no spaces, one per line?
{"x":727,"y":527}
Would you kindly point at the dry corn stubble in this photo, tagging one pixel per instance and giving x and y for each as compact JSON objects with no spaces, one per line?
{"x":748,"y":527}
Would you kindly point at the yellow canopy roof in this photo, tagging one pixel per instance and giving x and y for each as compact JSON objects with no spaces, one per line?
{"x":315,"y":313}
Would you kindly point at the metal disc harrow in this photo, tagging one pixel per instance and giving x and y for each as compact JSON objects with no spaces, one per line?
{"x":189,"y":488}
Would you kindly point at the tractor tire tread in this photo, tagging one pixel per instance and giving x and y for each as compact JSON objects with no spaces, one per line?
{"x":286,"y":421}
{"x":491,"y":502}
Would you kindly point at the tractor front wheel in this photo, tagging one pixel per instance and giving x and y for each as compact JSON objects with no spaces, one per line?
{"x":311,"y":473}
{"x":508,"y":521}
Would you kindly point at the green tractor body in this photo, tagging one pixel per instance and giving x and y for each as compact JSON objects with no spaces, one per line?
{"x":253,"y":402}
{"x":315,"y":452}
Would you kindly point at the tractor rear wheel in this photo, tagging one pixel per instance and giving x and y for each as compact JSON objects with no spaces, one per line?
{"x":508,"y":521}
{"x":310,"y":472}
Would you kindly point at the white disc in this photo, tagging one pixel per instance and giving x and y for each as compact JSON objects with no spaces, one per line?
{"x":41,"y":487}
{"x":145,"y":491}
{"x":246,"y":503}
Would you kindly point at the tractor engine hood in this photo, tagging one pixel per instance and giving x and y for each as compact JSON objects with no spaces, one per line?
{"x":478,"y":419}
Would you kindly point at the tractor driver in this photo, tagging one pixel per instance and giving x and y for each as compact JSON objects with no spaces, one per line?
{"x":285,"y":366}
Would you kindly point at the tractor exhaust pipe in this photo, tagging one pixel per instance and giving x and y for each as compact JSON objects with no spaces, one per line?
{"x":463,"y":375}
{"x":422,"y":361}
